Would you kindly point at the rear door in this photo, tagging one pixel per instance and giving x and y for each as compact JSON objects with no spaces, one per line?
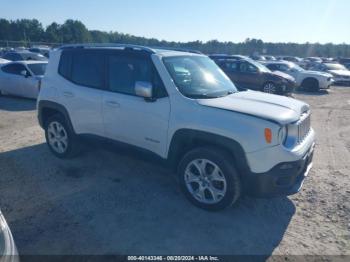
{"x":231,"y":68}
{"x":81,"y":89}
{"x":130,"y":118}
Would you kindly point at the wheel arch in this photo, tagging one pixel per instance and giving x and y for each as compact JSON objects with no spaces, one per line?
{"x":310,"y":78}
{"x":48,"y":108}
{"x":184,"y":140}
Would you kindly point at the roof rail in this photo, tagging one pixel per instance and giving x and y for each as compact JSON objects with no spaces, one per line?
{"x":96,"y":45}
{"x":179,"y":49}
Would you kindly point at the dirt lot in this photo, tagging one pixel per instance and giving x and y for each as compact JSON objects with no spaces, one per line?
{"x":109,"y":201}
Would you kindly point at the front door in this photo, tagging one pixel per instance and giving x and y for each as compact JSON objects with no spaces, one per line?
{"x":129,"y":118}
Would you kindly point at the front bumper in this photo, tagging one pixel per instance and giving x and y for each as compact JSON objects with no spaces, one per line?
{"x":283,"y":179}
{"x":326,"y":84}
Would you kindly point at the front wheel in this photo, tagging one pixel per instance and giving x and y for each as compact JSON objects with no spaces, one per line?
{"x":310,"y":85}
{"x":269,"y":88}
{"x":209,"y":179}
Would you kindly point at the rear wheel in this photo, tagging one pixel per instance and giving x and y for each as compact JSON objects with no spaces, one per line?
{"x":60,"y":138}
{"x":269,"y":88}
{"x":310,"y":84}
{"x":209,"y":179}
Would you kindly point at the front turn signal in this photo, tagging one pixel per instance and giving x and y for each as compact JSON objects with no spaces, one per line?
{"x":268,"y":135}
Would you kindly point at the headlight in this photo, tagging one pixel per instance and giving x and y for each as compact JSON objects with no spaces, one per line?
{"x":292,"y":136}
{"x":282,"y":135}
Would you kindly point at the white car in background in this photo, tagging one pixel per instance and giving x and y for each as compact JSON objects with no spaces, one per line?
{"x":22,"y":78}
{"x":341,"y":74}
{"x":306,"y":79}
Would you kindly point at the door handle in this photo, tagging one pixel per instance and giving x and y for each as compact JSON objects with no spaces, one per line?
{"x":68,"y":94}
{"x":113,"y":104}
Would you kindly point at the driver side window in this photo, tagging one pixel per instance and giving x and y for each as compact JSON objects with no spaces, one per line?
{"x":14,"y":69}
{"x":247,"y":68}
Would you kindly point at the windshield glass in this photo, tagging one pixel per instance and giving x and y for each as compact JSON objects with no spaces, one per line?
{"x":33,"y":56}
{"x":38,"y":69}
{"x":296,"y":68}
{"x":335,"y":67}
{"x":198,"y":77}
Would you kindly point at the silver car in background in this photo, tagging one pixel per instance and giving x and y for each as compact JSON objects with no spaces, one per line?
{"x":22,"y":78}
{"x":8,"y":250}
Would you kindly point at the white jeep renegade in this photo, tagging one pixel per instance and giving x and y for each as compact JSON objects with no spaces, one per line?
{"x":183,"y":108}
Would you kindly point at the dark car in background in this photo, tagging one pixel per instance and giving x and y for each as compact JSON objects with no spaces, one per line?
{"x":45,"y":51}
{"x":23,"y":56}
{"x":293,"y":59}
{"x":217,"y":57}
{"x":249,"y":74}
{"x":345,"y":62}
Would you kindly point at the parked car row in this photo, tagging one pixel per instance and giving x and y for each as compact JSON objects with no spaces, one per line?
{"x":246,"y":73}
{"x":305,"y":79}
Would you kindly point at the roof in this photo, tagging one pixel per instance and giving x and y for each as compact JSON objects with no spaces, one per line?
{"x":151,"y":50}
{"x":278,"y":62}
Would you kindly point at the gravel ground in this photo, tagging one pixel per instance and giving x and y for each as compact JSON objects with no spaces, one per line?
{"x":114,"y":201}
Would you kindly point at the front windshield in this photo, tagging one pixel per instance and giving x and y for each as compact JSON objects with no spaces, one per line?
{"x":297,"y":68}
{"x":198,"y":77}
{"x":335,"y":67}
{"x":38,"y":69}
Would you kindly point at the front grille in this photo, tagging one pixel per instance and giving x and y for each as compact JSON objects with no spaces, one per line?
{"x":304,"y":125}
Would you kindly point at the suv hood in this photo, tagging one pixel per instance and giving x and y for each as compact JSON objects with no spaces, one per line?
{"x":279,"y":109}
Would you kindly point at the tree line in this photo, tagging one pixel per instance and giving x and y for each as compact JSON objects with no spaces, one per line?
{"x":27,"y":31}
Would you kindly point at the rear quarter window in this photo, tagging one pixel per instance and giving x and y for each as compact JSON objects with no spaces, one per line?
{"x":88,"y":69}
{"x":64,"y":68}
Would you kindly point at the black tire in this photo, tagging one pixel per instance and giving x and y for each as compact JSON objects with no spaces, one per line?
{"x":228,"y":171}
{"x":73,"y":144}
{"x":311,"y":85}
{"x":270,"y":86}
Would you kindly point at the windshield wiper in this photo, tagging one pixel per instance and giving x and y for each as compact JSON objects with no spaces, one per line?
{"x":201,"y":96}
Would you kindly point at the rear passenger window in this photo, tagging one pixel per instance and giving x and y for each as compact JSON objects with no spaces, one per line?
{"x":64,"y":68}
{"x":124,"y":72}
{"x":87,"y":69}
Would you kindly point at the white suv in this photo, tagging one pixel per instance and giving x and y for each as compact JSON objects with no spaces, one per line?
{"x":183,"y":108}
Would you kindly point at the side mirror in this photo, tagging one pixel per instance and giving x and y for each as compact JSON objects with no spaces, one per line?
{"x":25,"y":73}
{"x":144,"y":89}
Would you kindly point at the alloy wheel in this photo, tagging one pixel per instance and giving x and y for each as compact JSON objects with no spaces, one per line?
{"x":269,"y":88}
{"x":205,"y":181}
{"x":57,"y":137}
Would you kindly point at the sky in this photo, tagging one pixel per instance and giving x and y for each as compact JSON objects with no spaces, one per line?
{"x":296,"y":21}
